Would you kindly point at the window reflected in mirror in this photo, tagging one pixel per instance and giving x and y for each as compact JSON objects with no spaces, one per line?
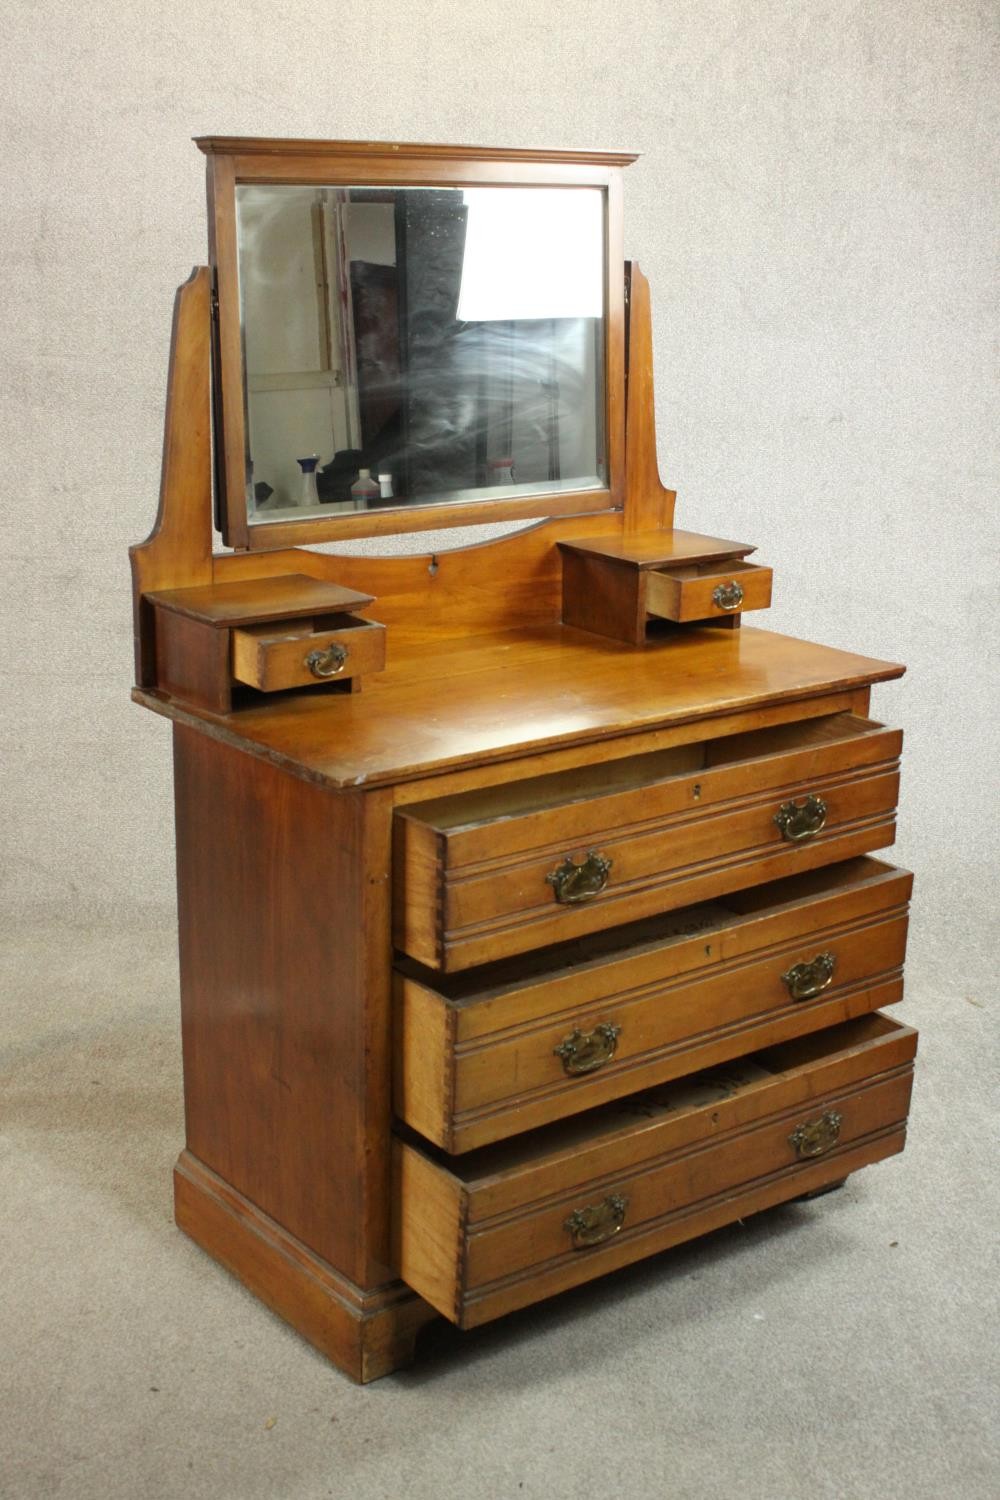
{"x":420,"y":345}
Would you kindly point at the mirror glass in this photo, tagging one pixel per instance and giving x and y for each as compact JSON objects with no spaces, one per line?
{"x":420,"y":345}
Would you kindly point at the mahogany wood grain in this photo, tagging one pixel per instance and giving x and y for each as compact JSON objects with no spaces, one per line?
{"x":513,"y":582}
{"x":259,"y":600}
{"x":685,"y":1223}
{"x":650,"y":505}
{"x":429,"y":1246}
{"x":178,"y":550}
{"x":601,"y":598}
{"x":230,"y":409}
{"x":503,"y":1250}
{"x":513,"y":817}
{"x":285,"y":814}
{"x":268,"y":536}
{"x":611,"y":584}
{"x":677,"y":1154}
{"x":424,"y":1060}
{"x":616,"y":334}
{"x":349,"y":168}
{"x":482,"y":924}
{"x":678,"y":826}
{"x":401,"y":151}
{"x":272,"y":658}
{"x":476,"y":1058}
{"x":284,"y":946}
{"x":736,"y":927}
{"x":520,"y":692}
{"x":640,"y":551}
{"x":366,"y":1334}
{"x":623,"y":748}
{"x":566,"y":1155}
{"x":192,"y":661}
{"x":688,"y":593}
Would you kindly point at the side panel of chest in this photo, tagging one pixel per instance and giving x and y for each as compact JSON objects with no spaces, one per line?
{"x":284,"y":949}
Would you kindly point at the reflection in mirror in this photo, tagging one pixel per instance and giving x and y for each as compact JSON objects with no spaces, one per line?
{"x":420,"y":345}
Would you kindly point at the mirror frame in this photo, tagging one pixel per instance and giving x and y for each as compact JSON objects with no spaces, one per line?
{"x":235,"y":160}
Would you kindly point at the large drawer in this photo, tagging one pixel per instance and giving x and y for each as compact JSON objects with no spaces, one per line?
{"x":485,"y":874}
{"x":497,"y":1229}
{"x":490,"y":1052}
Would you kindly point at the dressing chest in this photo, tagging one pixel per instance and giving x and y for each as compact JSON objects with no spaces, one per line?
{"x":530,"y":915}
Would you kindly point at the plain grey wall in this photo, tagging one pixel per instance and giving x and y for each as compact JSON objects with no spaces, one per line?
{"x":815,"y":208}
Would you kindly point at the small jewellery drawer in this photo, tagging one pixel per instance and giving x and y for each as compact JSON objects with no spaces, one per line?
{"x":486,"y":874}
{"x":703,"y":591}
{"x":494,"y":1051}
{"x":483,"y":1234}
{"x":301,"y":653}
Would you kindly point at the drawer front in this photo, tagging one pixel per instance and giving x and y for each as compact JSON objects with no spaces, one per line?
{"x":708,"y":591}
{"x":514,"y":1223}
{"x":273,"y":657}
{"x":474,"y":884}
{"x":473,"y":1067}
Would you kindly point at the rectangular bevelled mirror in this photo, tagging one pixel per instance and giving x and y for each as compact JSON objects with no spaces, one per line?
{"x":411,"y":341}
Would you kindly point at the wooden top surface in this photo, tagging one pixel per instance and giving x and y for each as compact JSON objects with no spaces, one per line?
{"x":448,"y":703}
{"x":257,"y":600}
{"x":655,"y":549}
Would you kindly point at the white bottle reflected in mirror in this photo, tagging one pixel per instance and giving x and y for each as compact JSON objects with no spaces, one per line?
{"x":308,"y":494}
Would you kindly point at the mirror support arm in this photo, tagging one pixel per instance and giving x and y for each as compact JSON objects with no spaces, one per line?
{"x":178,"y":551}
{"x":649,"y":505}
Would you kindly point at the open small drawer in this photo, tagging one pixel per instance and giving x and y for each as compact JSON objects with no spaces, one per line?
{"x":614,"y":586}
{"x":299,"y":653}
{"x":704,"y":591}
{"x":269,"y":634}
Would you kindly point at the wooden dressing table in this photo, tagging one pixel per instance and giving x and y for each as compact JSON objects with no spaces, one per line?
{"x":560,"y":941}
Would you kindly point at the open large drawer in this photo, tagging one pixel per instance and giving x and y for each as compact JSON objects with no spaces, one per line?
{"x":483,"y":1234}
{"x":485,"y":874}
{"x":493,"y":1051}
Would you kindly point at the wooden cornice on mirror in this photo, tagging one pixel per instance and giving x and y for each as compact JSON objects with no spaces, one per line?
{"x":235,"y":145}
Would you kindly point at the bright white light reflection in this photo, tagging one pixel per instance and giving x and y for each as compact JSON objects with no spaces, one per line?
{"x":532,"y":253}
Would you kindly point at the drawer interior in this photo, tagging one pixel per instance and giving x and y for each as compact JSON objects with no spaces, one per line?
{"x":277,"y":632}
{"x":515,"y":799}
{"x":717,"y":569}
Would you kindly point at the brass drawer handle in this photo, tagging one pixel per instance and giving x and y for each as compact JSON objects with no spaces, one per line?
{"x":800,"y":822}
{"x":728,"y":595}
{"x":586,"y":1051}
{"x":808,"y":979}
{"x":573,"y":883}
{"x":816,"y":1136}
{"x":598,"y":1223}
{"x":329,"y":662}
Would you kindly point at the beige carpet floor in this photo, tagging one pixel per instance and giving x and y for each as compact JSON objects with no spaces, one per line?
{"x":841,"y":1348}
